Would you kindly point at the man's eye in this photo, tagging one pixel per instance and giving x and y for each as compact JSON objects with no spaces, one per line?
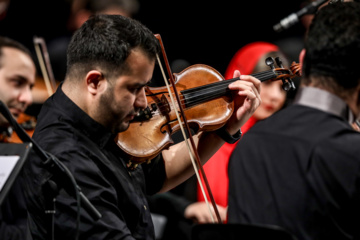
{"x":141,"y":89}
{"x":135,"y":89}
{"x":16,"y":82}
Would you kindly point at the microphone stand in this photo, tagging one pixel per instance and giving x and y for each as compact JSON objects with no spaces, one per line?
{"x":54,"y":166}
{"x":293,"y":18}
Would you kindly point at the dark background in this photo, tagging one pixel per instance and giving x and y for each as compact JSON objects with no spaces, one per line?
{"x":208,"y":32}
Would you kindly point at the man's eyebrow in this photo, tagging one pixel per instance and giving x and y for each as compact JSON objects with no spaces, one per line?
{"x":19,"y":77}
{"x":140,"y":85}
{"x":23,"y":80}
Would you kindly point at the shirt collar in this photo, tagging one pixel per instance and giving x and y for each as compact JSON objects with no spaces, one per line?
{"x":324,"y":101}
{"x":81,"y":120}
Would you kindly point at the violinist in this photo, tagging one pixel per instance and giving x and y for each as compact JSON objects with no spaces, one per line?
{"x":111,"y":59}
{"x":17,"y":76}
{"x":305,"y":176}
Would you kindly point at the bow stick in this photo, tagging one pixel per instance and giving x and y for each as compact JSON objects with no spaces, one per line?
{"x":44,"y":61}
{"x":192,"y":151}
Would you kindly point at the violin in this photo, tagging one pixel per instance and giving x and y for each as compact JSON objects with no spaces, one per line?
{"x":207,"y":104}
{"x":28,"y":123}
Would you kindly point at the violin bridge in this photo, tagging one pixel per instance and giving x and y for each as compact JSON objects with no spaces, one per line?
{"x":165,"y":106}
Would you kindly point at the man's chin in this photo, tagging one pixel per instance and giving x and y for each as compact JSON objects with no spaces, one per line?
{"x":123,"y":127}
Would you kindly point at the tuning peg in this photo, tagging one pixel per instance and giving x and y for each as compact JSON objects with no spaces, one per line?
{"x":292,"y":84}
{"x":279,"y":62}
{"x":288,"y":85}
{"x":270,"y":62}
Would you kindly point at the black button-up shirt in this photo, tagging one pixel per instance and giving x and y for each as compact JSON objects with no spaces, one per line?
{"x":90,"y":153}
{"x":300,"y":169}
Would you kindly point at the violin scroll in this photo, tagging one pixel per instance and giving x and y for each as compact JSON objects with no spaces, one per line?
{"x":295,"y":68}
{"x":283,"y":74}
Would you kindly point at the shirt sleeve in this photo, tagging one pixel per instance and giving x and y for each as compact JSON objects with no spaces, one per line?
{"x":154,"y":174}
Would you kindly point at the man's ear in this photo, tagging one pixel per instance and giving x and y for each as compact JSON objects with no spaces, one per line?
{"x":95,"y":82}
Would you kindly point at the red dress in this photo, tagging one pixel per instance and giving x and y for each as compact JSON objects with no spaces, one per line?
{"x":216,"y":170}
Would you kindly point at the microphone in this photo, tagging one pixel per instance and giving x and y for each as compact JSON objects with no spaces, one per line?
{"x":293,"y":18}
{"x":52,"y":164}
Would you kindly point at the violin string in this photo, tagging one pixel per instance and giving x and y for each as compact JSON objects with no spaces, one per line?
{"x":211,"y":91}
{"x":195,"y":100}
{"x":266,"y":75}
{"x":262,"y":76}
{"x":214,"y":88}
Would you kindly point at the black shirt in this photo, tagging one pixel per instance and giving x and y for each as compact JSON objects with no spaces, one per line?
{"x":89,"y":151}
{"x":299,"y":169}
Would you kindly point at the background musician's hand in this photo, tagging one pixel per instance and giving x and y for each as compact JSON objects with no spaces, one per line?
{"x":356,"y":126}
{"x":199,"y":212}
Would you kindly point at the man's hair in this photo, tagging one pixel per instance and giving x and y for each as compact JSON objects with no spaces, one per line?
{"x":333,"y":45}
{"x":10,"y":43}
{"x":105,"y":42}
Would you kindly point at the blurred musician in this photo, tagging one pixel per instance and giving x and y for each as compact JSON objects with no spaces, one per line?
{"x":17,"y":77}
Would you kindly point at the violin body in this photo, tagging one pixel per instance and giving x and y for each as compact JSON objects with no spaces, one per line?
{"x":27,"y":122}
{"x":148,"y":136}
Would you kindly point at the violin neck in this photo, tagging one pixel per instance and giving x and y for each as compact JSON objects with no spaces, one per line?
{"x":265,"y":76}
{"x":201,"y":94}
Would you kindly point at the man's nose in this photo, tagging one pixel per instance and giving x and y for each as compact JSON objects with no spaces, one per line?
{"x":26,"y":96}
{"x":141,"y":101}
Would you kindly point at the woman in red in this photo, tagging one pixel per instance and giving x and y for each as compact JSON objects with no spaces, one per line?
{"x":249,"y":59}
